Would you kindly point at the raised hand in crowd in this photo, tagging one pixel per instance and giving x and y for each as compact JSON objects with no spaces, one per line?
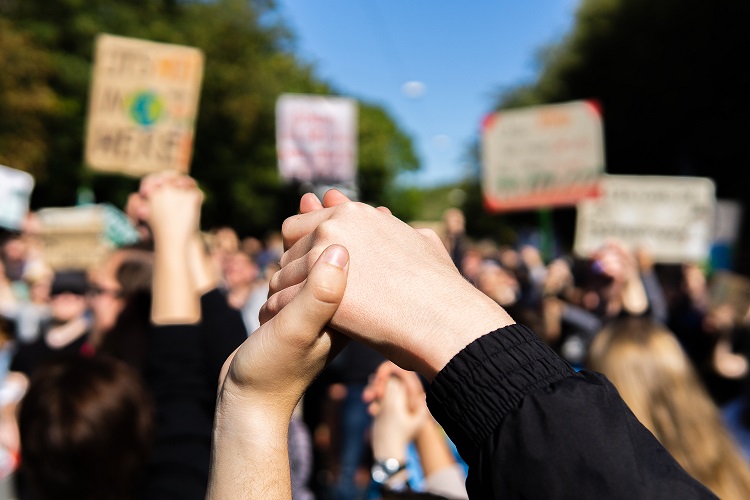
{"x":626,"y":292}
{"x":173,"y":217}
{"x":397,"y":401}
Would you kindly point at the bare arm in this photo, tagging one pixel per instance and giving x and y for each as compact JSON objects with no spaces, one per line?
{"x":263,"y":381}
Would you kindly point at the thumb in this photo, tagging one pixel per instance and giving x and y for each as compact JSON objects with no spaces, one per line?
{"x":316,"y":303}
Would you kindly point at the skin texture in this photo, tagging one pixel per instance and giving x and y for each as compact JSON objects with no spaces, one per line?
{"x":264,"y":379}
{"x":401,"y":282}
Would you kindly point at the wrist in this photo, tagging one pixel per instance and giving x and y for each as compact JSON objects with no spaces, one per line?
{"x":476,"y":317}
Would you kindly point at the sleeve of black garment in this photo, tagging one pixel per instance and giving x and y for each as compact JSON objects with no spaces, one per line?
{"x":529,"y":426}
{"x":184,"y":403}
{"x":222,"y":330}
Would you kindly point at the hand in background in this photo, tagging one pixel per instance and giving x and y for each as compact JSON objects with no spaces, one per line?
{"x":137,"y":207}
{"x":397,"y":403}
{"x":173,"y":208}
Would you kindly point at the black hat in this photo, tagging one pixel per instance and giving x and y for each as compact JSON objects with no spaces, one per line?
{"x":70,"y":281}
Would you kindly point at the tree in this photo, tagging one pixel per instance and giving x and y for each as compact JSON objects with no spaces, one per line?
{"x":26,"y":99}
{"x":250,"y":62}
{"x":671,"y":82}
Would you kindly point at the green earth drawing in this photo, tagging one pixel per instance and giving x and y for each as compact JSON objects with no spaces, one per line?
{"x":146,"y":107}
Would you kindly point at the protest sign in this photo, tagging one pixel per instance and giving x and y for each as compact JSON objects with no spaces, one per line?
{"x":671,"y":217}
{"x":142,"y":106}
{"x":15,"y":190}
{"x":316,"y":138}
{"x":542,"y":156}
{"x":73,"y":237}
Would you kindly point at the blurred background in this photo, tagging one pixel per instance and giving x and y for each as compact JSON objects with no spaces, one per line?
{"x":668,"y":76}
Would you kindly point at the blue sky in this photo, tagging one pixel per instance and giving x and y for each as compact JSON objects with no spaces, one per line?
{"x":462,"y":52}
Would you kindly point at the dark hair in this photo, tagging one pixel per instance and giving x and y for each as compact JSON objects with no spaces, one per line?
{"x":85,"y":426}
{"x":127,"y":339}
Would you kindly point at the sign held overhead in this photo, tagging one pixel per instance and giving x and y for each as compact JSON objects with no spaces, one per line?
{"x":15,"y":191}
{"x":670,"y":217}
{"x":142,"y":106}
{"x":542,"y":156}
{"x":316,"y":138}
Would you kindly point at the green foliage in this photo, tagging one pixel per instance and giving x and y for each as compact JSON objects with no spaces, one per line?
{"x":249,"y":63}
{"x":671,"y":81}
{"x":26,"y":99}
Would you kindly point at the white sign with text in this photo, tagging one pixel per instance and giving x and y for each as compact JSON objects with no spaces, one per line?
{"x":542,"y":156}
{"x":316,"y":138}
{"x":670,"y":217}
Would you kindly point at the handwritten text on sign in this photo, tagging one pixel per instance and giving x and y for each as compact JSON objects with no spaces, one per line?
{"x":542,"y":156}
{"x":143,"y":105}
{"x":316,"y":138}
{"x":671,"y":217}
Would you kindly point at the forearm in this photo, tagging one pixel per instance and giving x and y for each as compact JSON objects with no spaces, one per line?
{"x":175,"y":300}
{"x":434,"y":453}
{"x":634,"y":298}
{"x":250,"y":457}
{"x":202,"y":270}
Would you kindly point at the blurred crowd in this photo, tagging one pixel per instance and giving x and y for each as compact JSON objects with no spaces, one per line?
{"x":109,"y":373}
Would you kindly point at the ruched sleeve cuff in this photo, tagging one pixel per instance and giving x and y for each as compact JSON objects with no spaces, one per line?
{"x":488,"y":379}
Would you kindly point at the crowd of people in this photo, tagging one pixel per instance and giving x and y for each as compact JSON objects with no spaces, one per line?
{"x":357,"y":357}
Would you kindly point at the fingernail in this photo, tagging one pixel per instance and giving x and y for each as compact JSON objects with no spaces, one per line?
{"x":337,"y":256}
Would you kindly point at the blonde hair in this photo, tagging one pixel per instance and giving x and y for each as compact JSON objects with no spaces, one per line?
{"x":646,"y":363}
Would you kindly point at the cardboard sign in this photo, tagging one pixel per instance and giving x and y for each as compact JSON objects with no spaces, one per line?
{"x":142,"y":106}
{"x":671,"y":217}
{"x":542,"y":156}
{"x":316,"y":138}
{"x":15,"y":191}
{"x":73,"y":237}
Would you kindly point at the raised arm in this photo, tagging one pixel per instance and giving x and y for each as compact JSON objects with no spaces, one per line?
{"x":263,"y":381}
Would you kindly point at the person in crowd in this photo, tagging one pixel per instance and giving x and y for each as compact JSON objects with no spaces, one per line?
{"x":69,"y":325}
{"x":29,"y":314}
{"x":454,"y":236}
{"x":273,"y":247}
{"x":527,"y":424}
{"x":397,"y":401}
{"x":246,"y":290}
{"x":352,"y":370}
{"x":12,"y":387}
{"x":655,"y":378}
{"x":85,"y":427}
{"x":701,"y":330}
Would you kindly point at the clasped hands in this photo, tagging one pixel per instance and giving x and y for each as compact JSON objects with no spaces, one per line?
{"x":402,"y":296}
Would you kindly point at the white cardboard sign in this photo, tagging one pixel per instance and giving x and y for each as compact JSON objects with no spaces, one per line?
{"x":316,"y":138}
{"x":671,"y":217}
{"x":542,"y":156}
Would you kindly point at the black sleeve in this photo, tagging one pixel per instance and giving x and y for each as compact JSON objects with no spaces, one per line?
{"x":184,"y":403}
{"x":222,"y":330}
{"x":529,"y":426}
